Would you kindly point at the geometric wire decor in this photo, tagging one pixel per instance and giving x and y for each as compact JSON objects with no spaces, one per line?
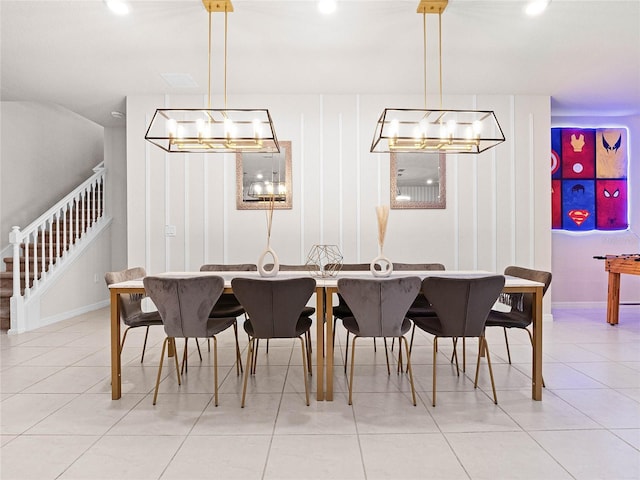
{"x":210,"y":130}
{"x":436,"y":130}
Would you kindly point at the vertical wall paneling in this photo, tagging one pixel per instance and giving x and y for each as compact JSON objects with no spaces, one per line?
{"x":187,"y":228}
{"x":321,"y":179}
{"x":494,"y":213}
{"x":512,"y":183}
{"x":225,"y":205}
{"x":337,"y":182}
{"x":532,"y":196}
{"x":340,"y":184}
{"x":358,"y":179}
{"x":205,"y":210}
{"x":147,"y":203}
{"x":167,"y":213}
{"x":302,"y":192}
{"x":456,"y":210}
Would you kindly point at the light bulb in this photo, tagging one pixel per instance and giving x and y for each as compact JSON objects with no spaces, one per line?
{"x":118,"y":7}
{"x":451,"y":126}
{"x":327,"y":6}
{"x":477,"y":127}
{"x":172,"y":127}
{"x":200,"y":127}
{"x":395,"y":127}
{"x":282,"y":188}
{"x":257,"y":128}
{"x":536,"y":7}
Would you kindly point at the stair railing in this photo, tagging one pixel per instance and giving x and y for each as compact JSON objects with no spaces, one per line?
{"x":64,"y":224}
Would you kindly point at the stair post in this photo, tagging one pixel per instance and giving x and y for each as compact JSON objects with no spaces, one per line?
{"x":17,"y":300}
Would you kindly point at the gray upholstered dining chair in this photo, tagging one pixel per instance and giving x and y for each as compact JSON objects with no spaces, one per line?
{"x":521,"y":314}
{"x":274,"y":308}
{"x":379,"y":309}
{"x":306,"y":312}
{"x":462,"y":306}
{"x":226,"y":306}
{"x":131,"y":313}
{"x":184,"y":304}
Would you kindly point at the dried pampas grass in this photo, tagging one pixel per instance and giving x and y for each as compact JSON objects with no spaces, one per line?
{"x":382,"y":211}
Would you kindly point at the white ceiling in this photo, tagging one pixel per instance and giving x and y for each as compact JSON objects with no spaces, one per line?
{"x":584,"y":54}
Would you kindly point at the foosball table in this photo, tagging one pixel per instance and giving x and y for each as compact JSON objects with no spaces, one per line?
{"x":615,"y":265}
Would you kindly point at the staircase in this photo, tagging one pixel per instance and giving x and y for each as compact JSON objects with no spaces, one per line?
{"x":40,"y":248}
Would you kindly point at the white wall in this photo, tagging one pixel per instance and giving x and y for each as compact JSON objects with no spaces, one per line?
{"x":498,"y":205}
{"x":578,"y":278}
{"x":46,"y":151}
{"x":115,"y":161}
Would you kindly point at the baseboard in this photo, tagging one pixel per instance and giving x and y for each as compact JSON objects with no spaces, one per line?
{"x":74,"y":313}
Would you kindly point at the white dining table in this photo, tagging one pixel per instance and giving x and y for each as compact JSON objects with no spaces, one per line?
{"x":325,"y":288}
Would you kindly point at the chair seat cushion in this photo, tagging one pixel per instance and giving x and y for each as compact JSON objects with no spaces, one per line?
{"x":307,"y":311}
{"x":144,"y":319}
{"x":226,"y":311}
{"x":430,"y":325}
{"x":342,"y":311}
{"x":421,"y":311}
{"x":304,"y":323}
{"x":513,"y":319}
{"x":217,"y":325}
{"x":352,"y":326}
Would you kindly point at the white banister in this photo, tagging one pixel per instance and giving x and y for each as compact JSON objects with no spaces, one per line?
{"x":75,"y":214}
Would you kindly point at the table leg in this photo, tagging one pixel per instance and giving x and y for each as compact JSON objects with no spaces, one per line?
{"x":116,"y":369}
{"x":613,"y":298}
{"x":537,"y":345}
{"x":329,"y":317}
{"x":320,"y":312}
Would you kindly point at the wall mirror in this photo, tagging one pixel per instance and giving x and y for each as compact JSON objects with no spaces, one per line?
{"x":418,"y":180}
{"x":261,"y":177}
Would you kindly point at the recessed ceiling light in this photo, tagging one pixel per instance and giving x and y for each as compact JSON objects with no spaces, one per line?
{"x":179,"y":80}
{"x":118,"y":7}
{"x":118,"y":115}
{"x":536,"y":7}
{"x":327,"y":6}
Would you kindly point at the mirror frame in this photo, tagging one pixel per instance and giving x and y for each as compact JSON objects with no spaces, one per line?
{"x":285,"y":146}
{"x":442,"y":181}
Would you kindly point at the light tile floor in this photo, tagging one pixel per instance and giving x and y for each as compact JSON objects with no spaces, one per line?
{"x":57,"y":419}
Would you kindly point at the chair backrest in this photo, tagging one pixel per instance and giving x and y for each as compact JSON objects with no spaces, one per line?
{"x":292,"y":268}
{"x":273,"y":306}
{"x":397,"y":267}
{"x":350,"y":267}
{"x":238,"y":267}
{"x":463,"y":304}
{"x":379,"y":305}
{"x":130,"y":304}
{"x":184,"y":303}
{"x":529,"y":274}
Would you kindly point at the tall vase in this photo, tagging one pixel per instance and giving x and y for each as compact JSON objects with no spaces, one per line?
{"x":386,"y":266}
{"x":262,"y":261}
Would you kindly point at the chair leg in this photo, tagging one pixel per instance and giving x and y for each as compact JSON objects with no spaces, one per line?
{"x":124,"y":337}
{"x":435,"y":356}
{"x":175,"y":359}
{"x":346,"y":353}
{"x":413,"y":331}
{"x":307,"y":342}
{"x":254,"y":357}
{"x":304,"y":369}
{"x":506,"y":342}
{"x":267,"y":351}
{"x":400,"y":368}
{"x":393,"y":342}
{"x":164,"y":346}
{"x":198,"y":345}
{"x":238,"y":356}
{"x":144,"y":345}
{"x":464,"y":354}
{"x":215,"y":369}
{"x":374,"y":345}
{"x":353,"y":361}
{"x":185,"y":365}
{"x":454,"y":355}
{"x":409,"y":371}
{"x":484,"y":346}
{"x":531,"y":340}
{"x":208,"y":346}
{"x":248,"y":370}
{"x":386,"y":353}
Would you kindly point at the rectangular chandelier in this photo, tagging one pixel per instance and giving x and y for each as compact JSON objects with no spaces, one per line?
{"x":213,"y":130}
{"x":447,"y":131}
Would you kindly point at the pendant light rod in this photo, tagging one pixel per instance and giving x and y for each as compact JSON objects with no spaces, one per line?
{"x":209,"y":57}
{"x":424,"y":34}
{"x":226,"y":16}
{"x":440,"y":52}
